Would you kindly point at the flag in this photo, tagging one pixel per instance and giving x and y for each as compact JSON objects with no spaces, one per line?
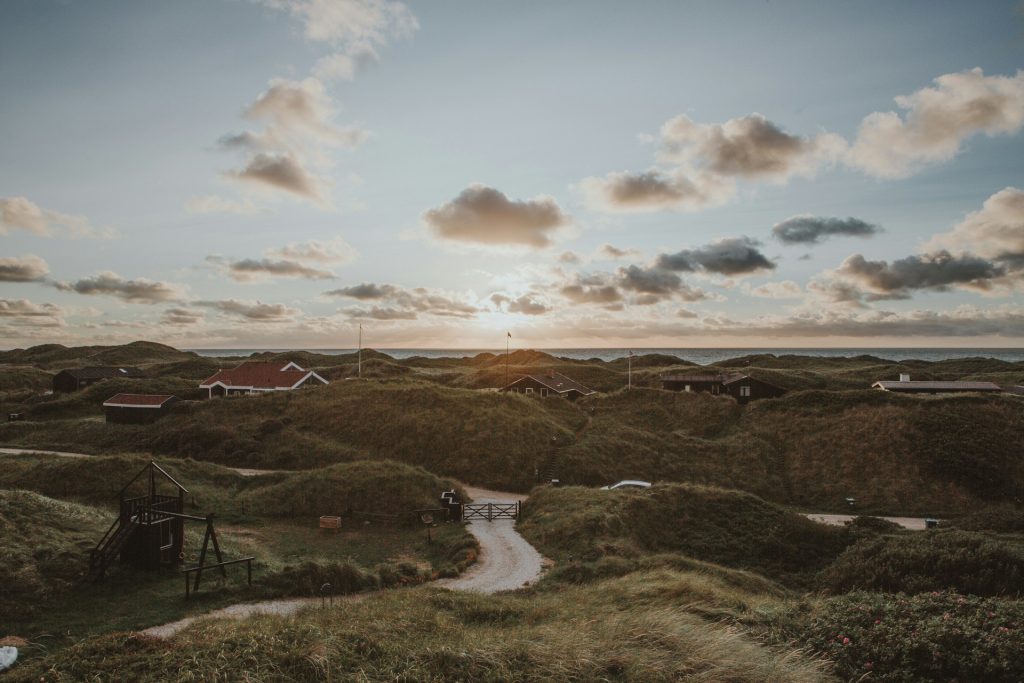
{"x":509,"y":335}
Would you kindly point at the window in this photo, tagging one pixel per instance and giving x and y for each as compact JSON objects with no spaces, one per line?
{"x":529,"y":390}
{"x":543,"y":392}
{"x":745,"y":390}
{"x":687,"y":388}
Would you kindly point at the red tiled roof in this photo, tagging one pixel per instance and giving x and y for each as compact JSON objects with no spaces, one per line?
{"x":138,"y":400}
{"x":259,"y":375}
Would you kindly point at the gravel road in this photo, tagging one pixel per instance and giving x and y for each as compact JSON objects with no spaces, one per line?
{"x":913,"y":523}
{"x":506,"y":560}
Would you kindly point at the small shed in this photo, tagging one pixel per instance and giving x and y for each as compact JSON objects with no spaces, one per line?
{"x":907,"y":386}
{"x":550,"y":383}
{"x":74,"y":379}
{"x":137,"y":408}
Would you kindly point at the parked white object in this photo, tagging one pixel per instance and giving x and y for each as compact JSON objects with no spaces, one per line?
{"x":628,"y":484}
{"x":8,"y":656}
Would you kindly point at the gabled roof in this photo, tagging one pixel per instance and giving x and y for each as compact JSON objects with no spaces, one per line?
{"x":262,"y":375}
{"x":896,"y":385}
{"x":103,"y":372}
{"x":138,"y":401}
{"x":557,"y":382}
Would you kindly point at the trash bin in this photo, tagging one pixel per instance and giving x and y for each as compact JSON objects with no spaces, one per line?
{"x":931,"y":523}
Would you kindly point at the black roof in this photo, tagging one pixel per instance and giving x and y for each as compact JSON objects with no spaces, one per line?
{"x":103,"y":372}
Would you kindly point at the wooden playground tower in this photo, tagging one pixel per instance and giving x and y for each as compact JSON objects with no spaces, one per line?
{"x":150,"y":528}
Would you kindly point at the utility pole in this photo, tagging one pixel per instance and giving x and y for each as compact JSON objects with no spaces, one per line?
{"x":508,"y":336}
{"x":359,"y":353}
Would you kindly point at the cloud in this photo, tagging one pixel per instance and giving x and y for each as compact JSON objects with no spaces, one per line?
{"x":251,"y":311}
{"x":483,"y":215}
{"x":335,"y":251}
{"x":380,"y":313}
{"x":569,"y":257}
{"x":730,"y":256}
{"x":181,"y":316}
{"x":996,"y":231}
{"x":18,"y":213}
{"x":350,"y":22}
{"x":410,"y":303}
{"x":786,"y":289}
{"x":581,"y":293}
{"x":655,"y":190}
{"x":612,"y":253}
{"x":936,"y":122}
{"x":527,"y":304}
{"x":342,"y":66}
{"x":808,"y":229}
{"x":289,"y":154}
{"x":248,"y":270}
{"x":23,"y":269}
{"x":216,"y":204}
{"x":749,"y":147}
{"x":938,"y":272}
{"x":282,"y":172}
{"x":140,"y":291}
{"x":24,"y":312}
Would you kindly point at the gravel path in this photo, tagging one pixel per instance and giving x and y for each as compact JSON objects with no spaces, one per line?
{"x":506,"y":560}
{"x":913,"y":523}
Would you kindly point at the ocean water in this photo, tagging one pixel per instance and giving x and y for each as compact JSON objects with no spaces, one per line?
{"x":699,"y":356}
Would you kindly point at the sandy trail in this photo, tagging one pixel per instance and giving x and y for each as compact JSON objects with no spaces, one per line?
{"x":506,"y":560}
{"x":913,"y":523}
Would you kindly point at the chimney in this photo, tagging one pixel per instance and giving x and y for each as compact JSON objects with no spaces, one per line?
{"x":551,"y":374}
{"x":904,"y":377}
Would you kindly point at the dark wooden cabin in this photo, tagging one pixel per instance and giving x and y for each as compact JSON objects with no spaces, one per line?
{"x":743,"y":388}
{"x":550,"y":383}
{"x":74,"y":379}
{"x":137,"y":408}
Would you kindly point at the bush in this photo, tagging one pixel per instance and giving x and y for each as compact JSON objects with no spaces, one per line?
{"x":914,"y":563}
{"x":1006,"y":521}
{"x":938,"y":636}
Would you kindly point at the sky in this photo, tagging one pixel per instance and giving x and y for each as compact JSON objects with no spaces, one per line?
{"x":276,"y":173}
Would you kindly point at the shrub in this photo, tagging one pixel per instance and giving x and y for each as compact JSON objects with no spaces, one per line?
{"x":938,"y":636}
{"x":963,"y":561}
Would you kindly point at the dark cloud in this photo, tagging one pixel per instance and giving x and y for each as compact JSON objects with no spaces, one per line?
{"x":380,"y":313}
{"x":247,"y":270}
{"x":254,"y":312}
{"x":649,"y":280}
{"x":366,"y":290}
{"x":406,"y":301}
{"x":813,"y":229}
{"x":730,"y":256}
{"x":26,"y":313}
{"x":750,"y":147}
{"x":140,"y":291}
{"x":181,"y":316}
{"x":282,"y":172}
{"x":654,"y":191}
{"x":23,"y":269}
{"x":591,"y":294}
{"x":939,"y":271}
{"x":483,"y":215}
{"x":527,"y":304}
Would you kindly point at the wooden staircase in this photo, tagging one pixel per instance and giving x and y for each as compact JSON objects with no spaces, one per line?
{"x":107,"y":550}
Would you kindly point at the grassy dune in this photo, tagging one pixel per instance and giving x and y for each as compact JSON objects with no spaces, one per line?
{"x":589,"y":633}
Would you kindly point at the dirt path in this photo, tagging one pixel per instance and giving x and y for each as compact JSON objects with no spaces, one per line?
{"x":913,"y":523}
{"x":506,"y":560}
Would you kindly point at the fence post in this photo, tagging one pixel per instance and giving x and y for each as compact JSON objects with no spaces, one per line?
{"x":490,"y":512}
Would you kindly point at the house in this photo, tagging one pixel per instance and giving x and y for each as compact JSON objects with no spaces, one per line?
{"x":256,"y":377}
{"x":74,"y":379}
{"x":137,"y":408}
{"x":550,"y":383}
{"x":906,"y":386}
{"x":743,"y":388}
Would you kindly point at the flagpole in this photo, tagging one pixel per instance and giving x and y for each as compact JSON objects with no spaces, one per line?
{"x":359,"y":354}
{"x":508,"y":335}
{"x":629,"y":371}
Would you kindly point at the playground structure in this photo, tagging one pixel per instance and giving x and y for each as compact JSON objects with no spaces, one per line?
{"x":149,"y":531}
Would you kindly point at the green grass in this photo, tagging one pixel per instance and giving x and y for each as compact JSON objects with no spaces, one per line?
{"x":584,"y":633}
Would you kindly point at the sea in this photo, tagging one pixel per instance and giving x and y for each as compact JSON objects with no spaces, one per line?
{"x":700,"y":356}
